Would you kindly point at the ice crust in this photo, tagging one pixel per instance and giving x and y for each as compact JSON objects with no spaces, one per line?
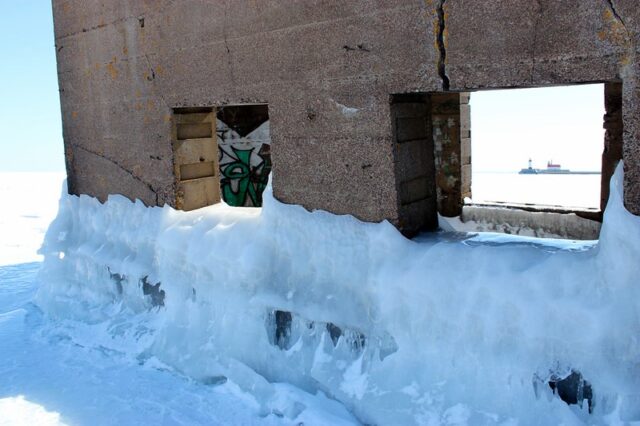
{"x":451,"y":329}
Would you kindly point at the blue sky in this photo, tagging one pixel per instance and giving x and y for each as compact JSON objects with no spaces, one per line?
{"x":508,"y":126}
{"x":31,"y":138}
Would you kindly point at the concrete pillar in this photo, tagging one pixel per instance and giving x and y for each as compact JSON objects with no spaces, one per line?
{"x":451,"y":132}
{"x":631,"y":137}
{"x":465,"y":146}
{"x":432,"y":139}
{"x":414,"y":168}
{"x":612,"y":152}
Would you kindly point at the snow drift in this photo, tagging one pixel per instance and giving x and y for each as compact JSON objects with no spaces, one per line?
{"x":450,"y":328}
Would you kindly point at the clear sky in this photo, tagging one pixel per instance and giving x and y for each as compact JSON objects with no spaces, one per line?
{"x":563,"y":124}
{"x":31,"y":138}
{"x":508,"y":126}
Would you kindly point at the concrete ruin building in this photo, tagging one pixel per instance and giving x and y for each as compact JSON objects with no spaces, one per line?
{"x":358,"y":106}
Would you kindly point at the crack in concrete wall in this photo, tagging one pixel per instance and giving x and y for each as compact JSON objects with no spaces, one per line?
{"x":617,"y":16}
{"x":534,"y":44}
{"x":226,"y":46}
{"x":121,"y":167}
{"x":93,"y":28}
{"x":100,"y":26}
{"x":152,"y":78}
{"x":139,"y":17}
{"x":442,"y":47}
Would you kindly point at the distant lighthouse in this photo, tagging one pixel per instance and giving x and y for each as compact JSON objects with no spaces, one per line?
{"x":530,"y":170}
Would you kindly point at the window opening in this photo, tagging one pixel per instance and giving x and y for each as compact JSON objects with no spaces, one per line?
{"x":560,"y":129}
{"x":538,"y":146}
{"x":543,"y":159}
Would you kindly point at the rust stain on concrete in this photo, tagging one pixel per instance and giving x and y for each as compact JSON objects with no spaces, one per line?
{"x":613,"y":30}
{"x":111,"y":68}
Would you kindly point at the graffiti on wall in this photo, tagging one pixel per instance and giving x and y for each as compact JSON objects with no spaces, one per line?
{"x":245,"y":163}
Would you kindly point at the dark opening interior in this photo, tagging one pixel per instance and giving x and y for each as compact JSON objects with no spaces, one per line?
{"x":415,"y":167}
{"x":244,"y":145}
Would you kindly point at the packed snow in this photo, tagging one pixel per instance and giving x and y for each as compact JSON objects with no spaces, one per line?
{"x":240,"y":315}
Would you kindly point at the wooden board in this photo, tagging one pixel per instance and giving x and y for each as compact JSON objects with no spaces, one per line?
{"x":190,"y":151}
{"x":197,"y":170}
{"x":197,"y":193}
{"x":196,"y":167}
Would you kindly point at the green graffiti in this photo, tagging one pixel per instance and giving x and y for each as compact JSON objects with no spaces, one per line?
{"x":250,"y":181}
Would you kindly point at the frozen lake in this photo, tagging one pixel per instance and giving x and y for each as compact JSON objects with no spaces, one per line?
{"x":29,"y":203}
{"x":562,"y":190}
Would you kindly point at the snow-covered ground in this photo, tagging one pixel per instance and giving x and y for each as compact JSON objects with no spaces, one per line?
{"x":29,"y":204}
{"x":50,"y":376}
{"x":277,"y":315}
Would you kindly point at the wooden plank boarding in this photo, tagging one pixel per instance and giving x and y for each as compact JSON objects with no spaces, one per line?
{"x":195,"y":149}
{"x":197,"y":193}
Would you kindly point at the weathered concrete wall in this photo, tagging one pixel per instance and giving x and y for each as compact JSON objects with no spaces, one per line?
{"x":450,"y":116}
{"x":415,"y":166}
{"x":524,"y":43}
{"x":327,"y":70}
{"x":125,"y":65}
{"x":612,"y":152}
{"x":537,"y":224}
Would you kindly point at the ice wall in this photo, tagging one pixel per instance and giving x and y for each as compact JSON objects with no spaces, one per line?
{"x":452,"y":329}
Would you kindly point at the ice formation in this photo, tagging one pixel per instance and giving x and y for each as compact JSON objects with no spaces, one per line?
{"x":451,"y":328}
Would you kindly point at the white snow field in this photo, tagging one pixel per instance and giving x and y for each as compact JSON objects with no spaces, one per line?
{"x":28,"y":204}
{"x":242,"y":316}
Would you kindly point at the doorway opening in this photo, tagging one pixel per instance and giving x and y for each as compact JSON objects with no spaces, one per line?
{"x":245,"y":153}
{"x":221,"y":154}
